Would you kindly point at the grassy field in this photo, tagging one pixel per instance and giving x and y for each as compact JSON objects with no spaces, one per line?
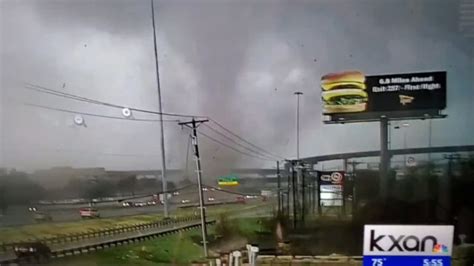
{"x":178,"y":249}
{"x":37,"y":231}
{"x":12,"y":234}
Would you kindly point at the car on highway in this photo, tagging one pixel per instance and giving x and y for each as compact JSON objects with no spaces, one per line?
{"x":211,"y":199}
{"x":32,"y":251}
{"x":240,"y":199}
{"x":89,"y":213}
{"x":40,"y":216}
{"x":139,"y":204}
{"x":185,"y":201}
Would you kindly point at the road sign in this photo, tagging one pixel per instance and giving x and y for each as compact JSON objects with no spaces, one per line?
{"x":408,"y":245}
{"x":331,"y":187}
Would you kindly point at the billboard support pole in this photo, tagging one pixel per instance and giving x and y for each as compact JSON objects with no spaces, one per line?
{"x":384,"y":158}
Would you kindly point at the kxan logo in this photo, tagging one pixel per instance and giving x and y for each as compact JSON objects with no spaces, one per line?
{"x":408,"y":240}
{"x":405,"y":243}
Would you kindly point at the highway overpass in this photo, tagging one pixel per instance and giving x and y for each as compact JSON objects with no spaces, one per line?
{"x":364,"y":154}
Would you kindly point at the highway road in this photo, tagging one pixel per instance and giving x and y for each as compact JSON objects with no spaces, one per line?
{"x":20,"y":215}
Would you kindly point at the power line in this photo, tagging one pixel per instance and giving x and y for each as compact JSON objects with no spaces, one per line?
{"x":262,"y":152}
{"x":242,"y":139}
{"x":97,"y":115}
{"x":84,"y":152}
{"x":45,"y":90}
{"x":237,"y":143}
{"x":232,"y":148}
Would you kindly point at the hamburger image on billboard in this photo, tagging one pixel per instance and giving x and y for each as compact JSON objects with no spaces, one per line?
{"x":344,"y":92}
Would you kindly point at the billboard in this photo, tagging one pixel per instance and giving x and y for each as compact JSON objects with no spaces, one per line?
{"x":331,"y":188}
{"x":352,"y":92}
{"x":394,"y":245}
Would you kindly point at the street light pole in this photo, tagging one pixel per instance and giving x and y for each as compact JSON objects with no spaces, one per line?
{"x":160,"y":109}
{"x":298,"y":93}
{"x":298,"y":177}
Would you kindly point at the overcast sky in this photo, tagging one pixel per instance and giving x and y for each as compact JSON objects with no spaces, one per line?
{"x":238,"y":62}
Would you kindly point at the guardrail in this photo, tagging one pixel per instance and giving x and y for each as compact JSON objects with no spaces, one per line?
{"x":100,"y":244}
{"x":68,"y":238}
{"x":125,"y":240}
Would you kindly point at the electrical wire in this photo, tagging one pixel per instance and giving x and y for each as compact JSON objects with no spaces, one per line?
{"x":232,"y":148}
{"x":262,"y":152}
{"x":242,"y":139}
{"x":45,"y":90}
{"x":97,"y":115}
{"x":82,"y":152}
{"x":239,"y":144}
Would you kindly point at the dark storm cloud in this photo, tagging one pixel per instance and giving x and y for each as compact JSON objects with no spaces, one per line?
{"x":119,"y":17}
{"x":236,"y":61}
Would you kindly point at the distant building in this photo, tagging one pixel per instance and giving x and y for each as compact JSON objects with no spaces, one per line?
{"x":58,"y":177}
{"x":3,"y":171}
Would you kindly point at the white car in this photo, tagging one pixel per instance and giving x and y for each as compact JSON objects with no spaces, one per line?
{"x":139,"y":204}
{"x":211,"y":199}
{"x":185,"y":201}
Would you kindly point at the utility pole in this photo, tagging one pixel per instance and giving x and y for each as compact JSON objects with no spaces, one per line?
{"x":303,"y":197}
{"x":194,"y":125}
{"x":315,"y":188}
{"x":429,"y":139}
{"x":384,"y":158}
{"x":449,"y":185}
{"x":293,"y":187}
{"x":405,"y":125}
{"x":298,"y":93}
{"x":344,"y":187}
{"x":288,"y":192}
{"x":279,"y":188}
{"x":354,"y":198}
{"x":160,"y":109}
